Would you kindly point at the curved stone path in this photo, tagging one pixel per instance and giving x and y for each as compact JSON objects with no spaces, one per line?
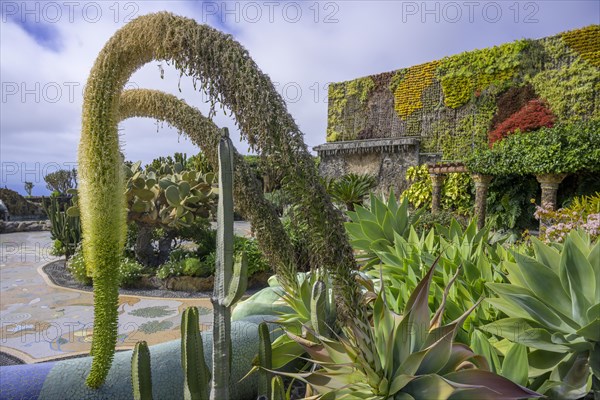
{"x":40,"y":321}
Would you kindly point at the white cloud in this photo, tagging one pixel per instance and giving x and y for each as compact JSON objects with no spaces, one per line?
{"x":369,"y":37}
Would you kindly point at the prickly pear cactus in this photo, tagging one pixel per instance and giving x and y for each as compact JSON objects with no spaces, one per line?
{"x":169,"y":197}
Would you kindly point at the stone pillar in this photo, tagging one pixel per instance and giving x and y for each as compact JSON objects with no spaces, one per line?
{"x":549,"y":184}
{"x":437,"y":180}
{"x":482,"y":183}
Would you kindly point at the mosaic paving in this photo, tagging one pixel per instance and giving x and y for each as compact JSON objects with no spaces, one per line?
{"x":40,"y":321}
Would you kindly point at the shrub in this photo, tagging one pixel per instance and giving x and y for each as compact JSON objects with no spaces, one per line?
{"x":532,"y":116}
{"x":457,"y":190}
{"x":428,"y":220}
{"x":256,"y":260}
{"x":129,"y":270}
{"x":76,"y":266}
{"x":564,"y":148}
{"x":58,"y":249}
{"x":583,"y":213}
{"x":170,"y":268}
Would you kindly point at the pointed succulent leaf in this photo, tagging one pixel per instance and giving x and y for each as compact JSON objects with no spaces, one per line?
{"x":515,"y":365}
{"x":488,"y":385}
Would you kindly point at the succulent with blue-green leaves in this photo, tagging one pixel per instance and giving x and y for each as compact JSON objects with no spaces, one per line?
{"x":552,"y":302}
{"x":409,"y":356}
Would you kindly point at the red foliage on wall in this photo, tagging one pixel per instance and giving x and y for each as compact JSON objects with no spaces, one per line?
{"x":533,"y":115}
{"x":511,"y":101}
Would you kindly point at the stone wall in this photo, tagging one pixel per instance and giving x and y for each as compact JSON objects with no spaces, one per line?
{"x":386,"y":159}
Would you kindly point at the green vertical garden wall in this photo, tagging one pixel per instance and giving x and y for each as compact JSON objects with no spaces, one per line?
{"x":452,"y":104}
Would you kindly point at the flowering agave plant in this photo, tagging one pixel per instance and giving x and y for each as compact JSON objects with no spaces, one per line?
{"x":401,"y":357}
{"x":553,"y":307}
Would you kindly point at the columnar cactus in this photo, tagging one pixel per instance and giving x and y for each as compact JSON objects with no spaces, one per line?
{"x":230,"y":281}
{"x":64,"y":225}
{"x":277,"y":389}
{"x":264,"y":361}
{"x":195,"y":372}
{"x":141,"y":375}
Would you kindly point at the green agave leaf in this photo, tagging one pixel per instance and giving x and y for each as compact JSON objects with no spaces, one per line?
{"x":574,"y":376}
{"x":542,"y":281}
{"x":364,"y":214}
{"x":515,"y":364}
{"x":536,"y":309}
{"x":481,"y":345}
{"x":388,"y":226}
{"x":508,"y":308}
{"x":399,"y":383}
{"x":542,"y":361}
{"x":591,"y":331}
{"x":459,"y":354}
{"x":496,"y":387}
{"x":437,"y":355}
{"x":401,"y":222}
{"x":371,"y":230}
{"x":379,"y":210}
{"x":392,"y":203}
{"x":547,"y":255}
{"x":593,"y":312}
{"x":355,"y":231}
{"x":429,"y":387}
{"x":510,"y":328}
{"x":578,"y":279}
{"x":283,"y":352}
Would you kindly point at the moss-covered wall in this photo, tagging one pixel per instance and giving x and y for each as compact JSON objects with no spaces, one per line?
{"x":450,"y":104}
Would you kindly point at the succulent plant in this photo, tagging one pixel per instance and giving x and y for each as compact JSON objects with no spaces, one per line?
{"x":196,"y":375}
{"x":231,"y":278}
{"x":553,"y":307}
{"x":230,"y":285}
{"x":465,"y":258}
{"x":65,"y":225}
{"x":141,"y":374}
{"x":265,"y":361}
{"x":169,"y":197}
{"x":407,"y":356}
{"x":373,"y":228}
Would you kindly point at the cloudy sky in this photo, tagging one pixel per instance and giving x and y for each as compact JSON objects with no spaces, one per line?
{"x":48,"y":48}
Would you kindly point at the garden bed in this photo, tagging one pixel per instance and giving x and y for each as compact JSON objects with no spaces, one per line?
{"x":171,"y":287}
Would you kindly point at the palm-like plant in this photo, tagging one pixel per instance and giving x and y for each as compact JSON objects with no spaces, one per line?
{"x":351,"y":189}
{"x":400,"y":357}
{"x":553,"y":307}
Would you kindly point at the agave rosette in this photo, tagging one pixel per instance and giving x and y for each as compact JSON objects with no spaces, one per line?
{"x":553,"y":307}
{"x":410,"y":356}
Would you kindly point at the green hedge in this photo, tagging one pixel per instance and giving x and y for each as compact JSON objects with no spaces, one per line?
{"x":565,"y":148}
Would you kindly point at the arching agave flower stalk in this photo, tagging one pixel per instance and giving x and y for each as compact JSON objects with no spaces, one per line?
{"x":231,"y":78}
